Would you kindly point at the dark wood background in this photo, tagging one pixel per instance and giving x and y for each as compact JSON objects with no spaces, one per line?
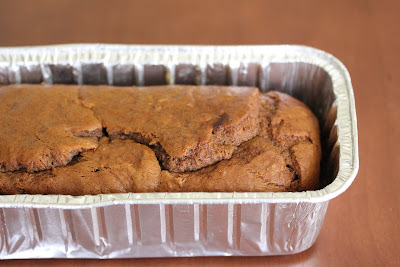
{"x":362,"y":225}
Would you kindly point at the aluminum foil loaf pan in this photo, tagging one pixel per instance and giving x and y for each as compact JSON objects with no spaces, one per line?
{"x":184,"y":224}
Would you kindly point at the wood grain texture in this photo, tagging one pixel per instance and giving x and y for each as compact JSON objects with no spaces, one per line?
{"x":362,"y":225}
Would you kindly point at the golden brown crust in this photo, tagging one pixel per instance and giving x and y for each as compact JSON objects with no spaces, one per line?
{"x":230,"y":138}
{"x":295,"y":130}
{"x":284,"y":156}
{"x":43,"y":127}
{"x":255,"y":166}
{"x":189,"y":127}
{"x":114,"y":167}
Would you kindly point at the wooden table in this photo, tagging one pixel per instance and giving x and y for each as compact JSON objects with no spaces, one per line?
{"x":362,"y":225}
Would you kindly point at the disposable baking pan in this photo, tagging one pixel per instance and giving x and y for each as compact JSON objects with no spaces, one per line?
{"x":184,"y":224}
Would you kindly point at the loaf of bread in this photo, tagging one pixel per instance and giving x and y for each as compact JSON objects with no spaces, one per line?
{"x":80,"y":140}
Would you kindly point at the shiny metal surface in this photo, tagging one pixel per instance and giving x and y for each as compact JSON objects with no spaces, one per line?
{"x":184,"y":224}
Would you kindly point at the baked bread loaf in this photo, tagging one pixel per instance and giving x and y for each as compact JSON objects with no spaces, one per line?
{"x":80,"y":140}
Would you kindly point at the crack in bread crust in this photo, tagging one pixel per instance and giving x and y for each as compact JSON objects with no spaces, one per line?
{"x":292,"y":176}
{"x":194,"y":126}
{"x":286,"y":141}
{"x":44,"y":127}
{"x":114,"y":167}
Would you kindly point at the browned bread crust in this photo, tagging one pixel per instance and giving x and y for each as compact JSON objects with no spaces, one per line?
{"x":43,"y":127}
{"x":285,"y":156}
{"x":115,"y":166}
{"x":163,"y":138}
{"x":189,"y":127}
